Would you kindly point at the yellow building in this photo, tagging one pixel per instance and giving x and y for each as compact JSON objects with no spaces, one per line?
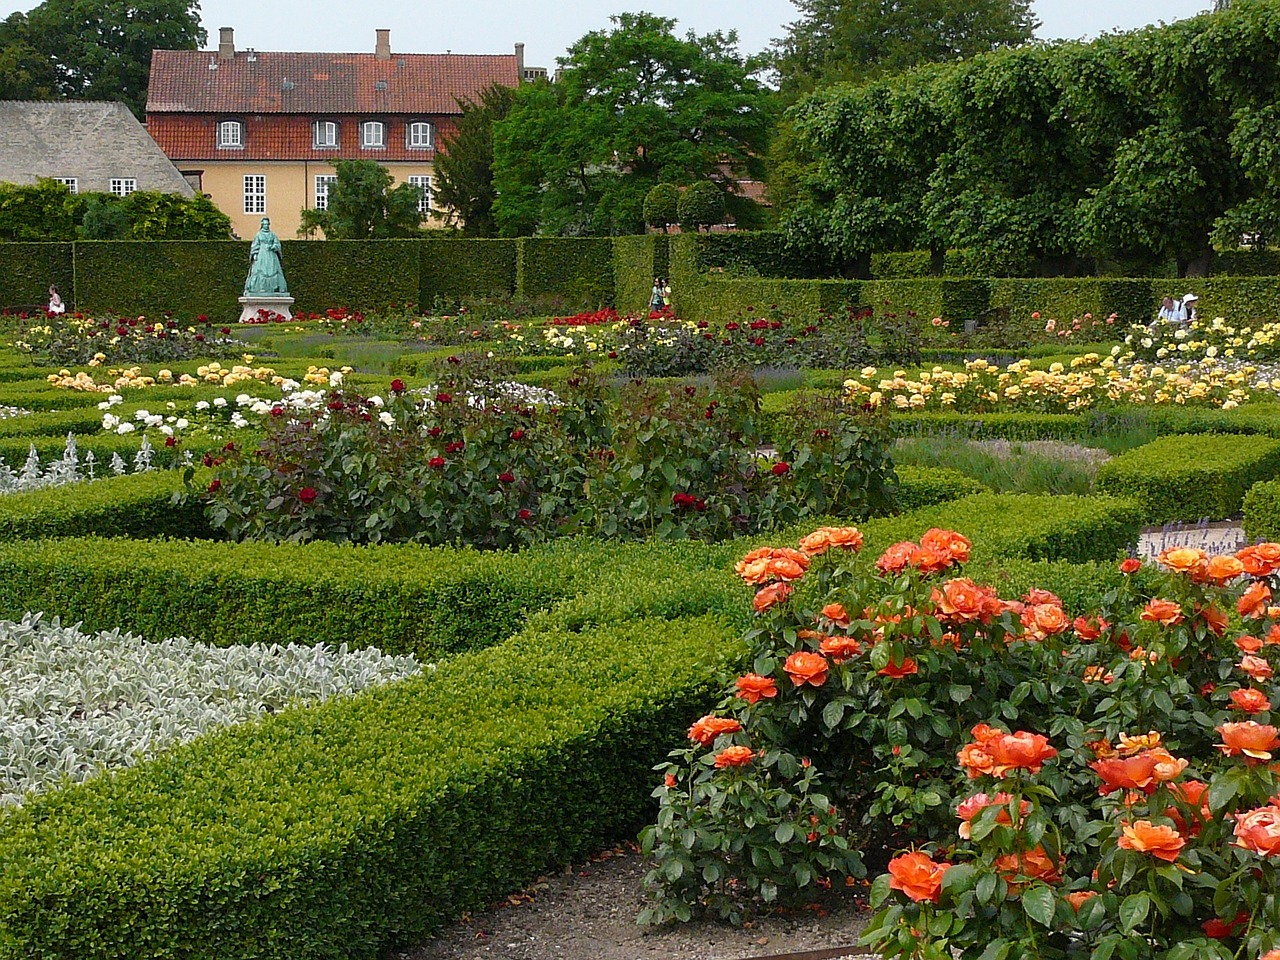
{"x":259,"y":132}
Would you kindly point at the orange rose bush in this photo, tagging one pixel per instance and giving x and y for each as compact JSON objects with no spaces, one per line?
{"x":1060,"y":783}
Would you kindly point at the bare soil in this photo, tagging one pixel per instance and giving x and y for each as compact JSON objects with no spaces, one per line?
{"x":589,"y":912}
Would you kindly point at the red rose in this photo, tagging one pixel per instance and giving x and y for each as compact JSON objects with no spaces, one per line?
{"x":170,"y":441}
{"x":307,"y":495}
{"x":525,"y":514}
{"x":780,"y":468}
{"x":517,"y":434}
{"x":444,"y":398}
{"x":215,"y":486}
{"x":506,"y":478}
{"x":397,"y":385}
{"x":436,"y":463}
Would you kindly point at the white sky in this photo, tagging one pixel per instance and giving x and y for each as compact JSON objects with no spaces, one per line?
{"x":491,"y":26}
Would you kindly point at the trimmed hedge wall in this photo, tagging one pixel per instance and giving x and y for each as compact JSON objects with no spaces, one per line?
{"x":748,"y":253}
{"x":27,"y":269}
{"x":364,"y":274}
{"x":578,"y":269}
{"x":1262,"y":511}
{"x":1191,"y":477}
{"x":636,"y":261}
{"x":455,"y":268}
{"x":924,"y":486}
{"x":188,"y":277}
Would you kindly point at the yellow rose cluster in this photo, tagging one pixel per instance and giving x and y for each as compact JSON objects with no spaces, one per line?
{"x":132,"y":378}
{"x":1089,"y":381}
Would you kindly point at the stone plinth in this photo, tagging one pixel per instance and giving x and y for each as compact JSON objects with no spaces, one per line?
{"x":249,"y":307}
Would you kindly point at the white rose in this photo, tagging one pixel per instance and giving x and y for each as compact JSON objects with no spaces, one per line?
{"x":202,"y":405}
{"x":125,"y":428}
{"x":219,"y":402}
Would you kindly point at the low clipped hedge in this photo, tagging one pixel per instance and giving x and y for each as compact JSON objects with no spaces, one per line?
{"x":1191,"y":477}
{"x":53,"y":423}
{"x":1261,"y":511}
{"x":924,"y":486}
{"x":365,"y":824}
{"x":135,"y":505}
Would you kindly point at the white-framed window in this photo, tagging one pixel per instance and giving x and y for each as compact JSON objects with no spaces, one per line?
{"x":424,"y":201}
{"x":255,"y":193}
{"x":324,"y":133}
{"x":123,"y":186}
{"x":373,"y":134}
{"x":323,"y":182}
{"x":71,"y":183}
{"x":230,"y":135}
{"x":421,"y":136}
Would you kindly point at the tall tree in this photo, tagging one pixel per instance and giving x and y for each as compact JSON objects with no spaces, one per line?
{"x":636,"y":105}
{"x":839,"y":40}
{"x":94,"y":49}
{"x":364,"y":206}
{"x":464,"y":169}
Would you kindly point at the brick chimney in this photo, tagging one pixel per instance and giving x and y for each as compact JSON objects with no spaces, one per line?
{"x":226,"y":43}
{"x":520,"y":60}
{"x":382,"y":50}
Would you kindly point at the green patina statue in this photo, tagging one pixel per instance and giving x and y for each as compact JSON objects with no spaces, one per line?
{"x":266,"y":275}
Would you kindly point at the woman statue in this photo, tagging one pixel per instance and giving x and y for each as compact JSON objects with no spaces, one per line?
{"x":266,"y":275}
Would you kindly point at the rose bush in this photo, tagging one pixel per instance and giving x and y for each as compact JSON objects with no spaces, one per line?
{"x":1089,"y":783}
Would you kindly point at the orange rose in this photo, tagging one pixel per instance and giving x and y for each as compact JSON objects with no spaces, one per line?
{"x":953,"y":545}
{"x":1255,"y":667}
{"x":1261,"y":559}
{"x":772,"y":563}
{"x":1222,"y":929}
{"x":1128,"y":773}
{"x":709,"y":727}
{"x":960,"y":600}
{"x":1250,"y":700}
{"x":771,"y":596}
{"x":1089,"y":629}
{"x":985,"y":733}
{"x":1036,"y":596}
{"x":1214,"y":618}
{"x":1195,"y":795}
{"x":837,"y":614}
{"x":928,"y":560}
{"x":752,"y":688}
{"x":1253,"y":602}
{"x":1043,"y":621}
{"x":897,"y":671}
{"x":1253,"y":740}
{"x":1259,"y":831}
{"x":918,"y":876}
{"x":1079,"y":898}
{"x":1020,"y":751}
{"x":1130,"y":565}
{"x":1162,"y":842}
{"x":975,"y":760}
{"x":1271,"y":955}
{"x":1136,"y":743}
{"x":840,"y":649}
{"x":1248,"y":644}
{"x":1033,"y":864}
{"x":1222,"y":570}
{"x":1098,"y":675}
{"x":896,"y":558}
{"x":1164,"y":612}
{"x":805,"y":667}
{"x":974,"y":805}
{"x":826,"y":538}
{"x":734,"y":757}
{"x":1188,"y":560}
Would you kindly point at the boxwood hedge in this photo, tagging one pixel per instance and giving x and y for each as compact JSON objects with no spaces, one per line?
{"x":1191,"y":477}
{"x":1262,"y":511}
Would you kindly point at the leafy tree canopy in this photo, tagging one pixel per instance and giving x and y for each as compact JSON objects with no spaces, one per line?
{"x":46,"y":210}
{"x":840,"y":40}
{"x":364,"y":206}
{"x":93,"y":49}
{"x":636,"y":105}
{"x":464,"y":169}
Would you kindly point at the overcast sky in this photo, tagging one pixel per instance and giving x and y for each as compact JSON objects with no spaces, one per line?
{"x":492,"y":26}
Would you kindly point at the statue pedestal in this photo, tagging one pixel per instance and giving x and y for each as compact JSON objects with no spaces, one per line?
{"x":278,"y":305}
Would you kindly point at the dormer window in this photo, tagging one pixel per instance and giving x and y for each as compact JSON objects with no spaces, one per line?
{"x":324,"y":134}
{"x":421,"y":136}
{"x":373,"y":134}
{"x":230,"y":135}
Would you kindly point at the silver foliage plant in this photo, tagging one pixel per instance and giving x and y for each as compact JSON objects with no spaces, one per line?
{"x":70,"y":468}
{"x":73,"y":704}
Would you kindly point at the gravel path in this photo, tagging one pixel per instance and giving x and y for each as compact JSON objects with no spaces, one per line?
{"x":589,"y":913}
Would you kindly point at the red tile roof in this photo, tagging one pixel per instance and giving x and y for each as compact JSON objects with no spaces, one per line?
{"x":197,"y":81}
{"x":186,"y":137}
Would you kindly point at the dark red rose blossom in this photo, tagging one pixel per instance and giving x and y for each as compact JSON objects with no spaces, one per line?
{"x":336,"y":405}
{"x":780,"y":468}
{"x":397,"y":385}
{"x":455,"y":446}
{"x":435,"y":463}
{"x":122,"y":331}
{"x":444,"y":398}
{"x":434,"y":432}
{"x":517,"y":434}
{"x":170,"y":441}
{"x":215,"y":486}
{"x":525,"y":514}
{"x":224,"y":330}
{"x":277,"y":411}
{"x":207,"y":460}
{"x":307,"y":495}
{"x":506,"y":477}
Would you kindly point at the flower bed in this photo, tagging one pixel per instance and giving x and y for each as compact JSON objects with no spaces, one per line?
{"x":76,"y":704}
{"x":77,"y":339}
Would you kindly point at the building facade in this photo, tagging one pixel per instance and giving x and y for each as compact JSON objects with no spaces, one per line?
{"x":89,"y":146}
{"x":260,"y":131}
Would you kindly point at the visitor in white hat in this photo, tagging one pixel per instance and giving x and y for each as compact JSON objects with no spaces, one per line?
{"x":1189,"y":308}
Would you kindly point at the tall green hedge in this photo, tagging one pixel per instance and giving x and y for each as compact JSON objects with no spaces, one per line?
{"x":362,"y":274}
{"x":578,"y":269}
{"x":636,"y":262}
{"x":27,"y":270}
{"x":188,"y":278}
{"x":762,"y":253}
{"x":454,"y":268}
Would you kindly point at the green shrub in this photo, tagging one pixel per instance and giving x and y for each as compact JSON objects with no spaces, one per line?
{"x":54,"y":423}
{"x":360,"y":274}
{"x":912,"y":265}
{"x":1262,"y":511}
{"x":188,"y":278}
{"x":27,"y":270}
{"x":134,"y":505}
{"x":576,"y":269}
{"x":925,"y":486}
{"x":452,"y":269}
{"x":1191,"y":477}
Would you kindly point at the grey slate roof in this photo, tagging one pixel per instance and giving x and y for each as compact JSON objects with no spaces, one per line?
{"x":91,"y":141}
